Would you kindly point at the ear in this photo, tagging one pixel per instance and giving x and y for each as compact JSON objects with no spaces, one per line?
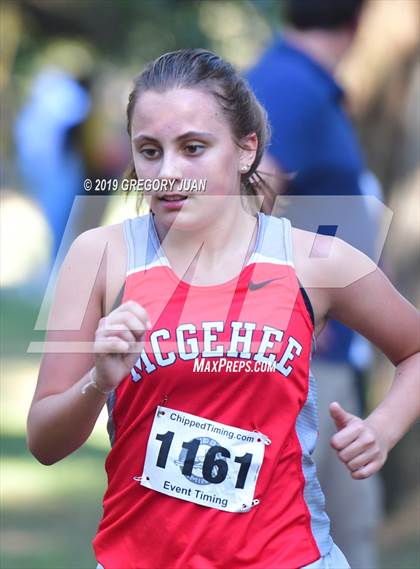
{"x":248,"y":150}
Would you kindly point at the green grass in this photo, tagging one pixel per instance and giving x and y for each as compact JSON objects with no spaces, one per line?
{"x":404,"y":556}
{"x":18,"y":317}
{"x":49,"y":514}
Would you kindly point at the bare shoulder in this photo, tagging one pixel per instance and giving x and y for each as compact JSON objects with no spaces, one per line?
{"x":98,"y":237}
{"x":94,"y":267}
{"x":323,"y":261}
{"x":90,"y":279}
{"x":346,"y":285}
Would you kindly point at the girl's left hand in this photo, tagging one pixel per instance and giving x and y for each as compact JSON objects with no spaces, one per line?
{"x":362,"y":449}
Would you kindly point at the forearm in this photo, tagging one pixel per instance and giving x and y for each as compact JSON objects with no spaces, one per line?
{"x":401,"y":406}
{"x":59,"y":424}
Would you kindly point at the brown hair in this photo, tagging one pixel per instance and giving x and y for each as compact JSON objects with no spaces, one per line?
{"x":201,"y":68}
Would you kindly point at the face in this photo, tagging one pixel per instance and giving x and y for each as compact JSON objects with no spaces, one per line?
{"x":182,"y":134}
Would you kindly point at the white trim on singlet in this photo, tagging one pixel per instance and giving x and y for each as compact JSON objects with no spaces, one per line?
{"x":279,"y":252}
{"x":255,"y":258}
{"x":158,"y":263}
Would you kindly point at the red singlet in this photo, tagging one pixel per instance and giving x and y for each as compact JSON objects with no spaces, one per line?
{"x":185,"y":425}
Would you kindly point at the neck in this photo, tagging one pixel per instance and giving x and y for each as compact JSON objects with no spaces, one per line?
{"x":324,"y":46}
{"x":227,"y":235}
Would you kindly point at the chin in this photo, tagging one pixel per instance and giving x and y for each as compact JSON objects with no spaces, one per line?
{"x":186,"y":219}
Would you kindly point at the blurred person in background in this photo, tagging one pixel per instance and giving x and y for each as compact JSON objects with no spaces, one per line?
{"x":314,"y":141}
{"x":49,"y":158}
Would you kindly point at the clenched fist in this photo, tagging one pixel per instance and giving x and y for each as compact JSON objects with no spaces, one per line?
{"x":362,"y":449}
{"x":119,"y":340}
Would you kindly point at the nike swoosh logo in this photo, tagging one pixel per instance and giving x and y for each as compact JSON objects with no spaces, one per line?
{"x":256,"y":286}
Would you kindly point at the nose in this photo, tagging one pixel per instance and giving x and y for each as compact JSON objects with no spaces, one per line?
{"x":170,"y":167}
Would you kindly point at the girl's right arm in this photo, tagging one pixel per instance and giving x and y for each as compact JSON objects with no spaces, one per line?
{"x":66,"y":404}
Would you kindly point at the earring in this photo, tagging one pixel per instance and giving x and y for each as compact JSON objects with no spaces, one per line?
{"x":245,"y":168}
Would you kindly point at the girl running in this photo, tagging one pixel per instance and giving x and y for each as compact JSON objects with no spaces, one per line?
{"x":198,"y":335}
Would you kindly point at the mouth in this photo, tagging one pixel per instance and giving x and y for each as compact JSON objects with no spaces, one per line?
{"x":172,"y":201}
{"x":172,"y":198}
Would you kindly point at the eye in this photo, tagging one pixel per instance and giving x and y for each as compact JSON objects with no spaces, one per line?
{"x":150,"y":152}
{"x":194,"y":149}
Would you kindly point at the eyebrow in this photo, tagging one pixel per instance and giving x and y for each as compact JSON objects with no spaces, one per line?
{"x":190,"y":134}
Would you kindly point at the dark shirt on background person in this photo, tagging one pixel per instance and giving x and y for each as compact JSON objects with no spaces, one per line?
{"x":313,"y":139}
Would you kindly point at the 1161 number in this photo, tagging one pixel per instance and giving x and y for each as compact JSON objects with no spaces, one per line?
{"x":215,"y":467}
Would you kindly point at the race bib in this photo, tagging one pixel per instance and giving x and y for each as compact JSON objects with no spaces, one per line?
{"x":202,"y":461}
